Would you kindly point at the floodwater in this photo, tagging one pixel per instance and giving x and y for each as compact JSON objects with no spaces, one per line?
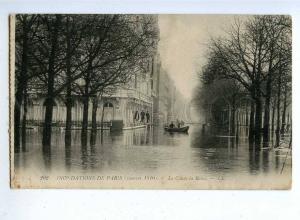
{"x":209,"y":153}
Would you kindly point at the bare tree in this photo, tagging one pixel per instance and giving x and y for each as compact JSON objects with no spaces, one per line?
{"x":254,"y":53}
{"x":224,"y":91}
{"x":25,"y":30}
{"x":279,"y":51}
{"x":116,"y":50}
{"x":83,"y":54}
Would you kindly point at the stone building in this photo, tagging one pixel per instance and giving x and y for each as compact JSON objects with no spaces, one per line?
{"x":126,"y":103}
{"x":149,"y":91}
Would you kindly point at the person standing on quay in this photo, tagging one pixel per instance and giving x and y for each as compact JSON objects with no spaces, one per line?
{"x":148,"y":117}
{"x":142,"y":116}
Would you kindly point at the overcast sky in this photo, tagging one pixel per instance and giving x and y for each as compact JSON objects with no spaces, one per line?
{"x":183,"y":43}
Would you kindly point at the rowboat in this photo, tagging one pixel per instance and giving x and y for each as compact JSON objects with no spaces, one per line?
{"x":181,"y":129}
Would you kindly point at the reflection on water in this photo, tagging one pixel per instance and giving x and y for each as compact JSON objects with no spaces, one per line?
{"x":150,"y":150}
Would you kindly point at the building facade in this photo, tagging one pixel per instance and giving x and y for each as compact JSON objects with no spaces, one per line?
{"x":150,"y":92}
{"x":129,"y":103}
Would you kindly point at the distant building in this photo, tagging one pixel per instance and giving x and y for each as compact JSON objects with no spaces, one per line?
{"x":171,"y":104}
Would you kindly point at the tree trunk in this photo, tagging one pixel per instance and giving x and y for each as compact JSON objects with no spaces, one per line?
{"x":278,"y":111}
{"x":17,"y":117}
{"x":229,"y":119}
{"x":247,"y":115}
{"x":20,"y":84}
{"x":85,"y":116}
{"x":258,"y":115}
{"x":48,"y":123}
{"x":86,"y":99}
{"x":237,"y":126}
{"x":251,"y":126}
{"x":233,"y":119}
{"x":85,"y":113}
{"x":69,"y":89}
{"x":94,"y":114}
{"x":50,"y":86}
{"x":283,"y":118}
{"x":258,"y":119}
{"x":68,"y":136}
{"x":266,"y":132}
{"x":24,"y":119}
{"x":273,"y":117}
{"x":288,"y":122}
{"x":94,"y":120}
{"x":102,"y":118}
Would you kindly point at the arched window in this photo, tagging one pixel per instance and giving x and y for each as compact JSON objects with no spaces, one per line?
{"x":108,"y":105}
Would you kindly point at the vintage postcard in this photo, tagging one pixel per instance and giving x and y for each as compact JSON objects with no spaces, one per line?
{"x":138,"y":101}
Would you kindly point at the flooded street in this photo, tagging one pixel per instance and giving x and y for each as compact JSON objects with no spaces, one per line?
{"x":210,"y":154}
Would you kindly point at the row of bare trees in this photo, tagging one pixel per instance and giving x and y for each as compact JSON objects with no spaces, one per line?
{"x":250,"y":68}
{"x":76,"y":55}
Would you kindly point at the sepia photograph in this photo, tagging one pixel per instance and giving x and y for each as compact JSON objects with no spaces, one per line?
{"x":150,"y":101}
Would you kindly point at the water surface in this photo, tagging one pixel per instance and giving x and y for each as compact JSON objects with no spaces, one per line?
{"x":210,"y":153}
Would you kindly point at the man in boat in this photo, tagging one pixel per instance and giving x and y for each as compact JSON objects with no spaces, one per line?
{"x":178,"y":123}
{"x":171,"y":125}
